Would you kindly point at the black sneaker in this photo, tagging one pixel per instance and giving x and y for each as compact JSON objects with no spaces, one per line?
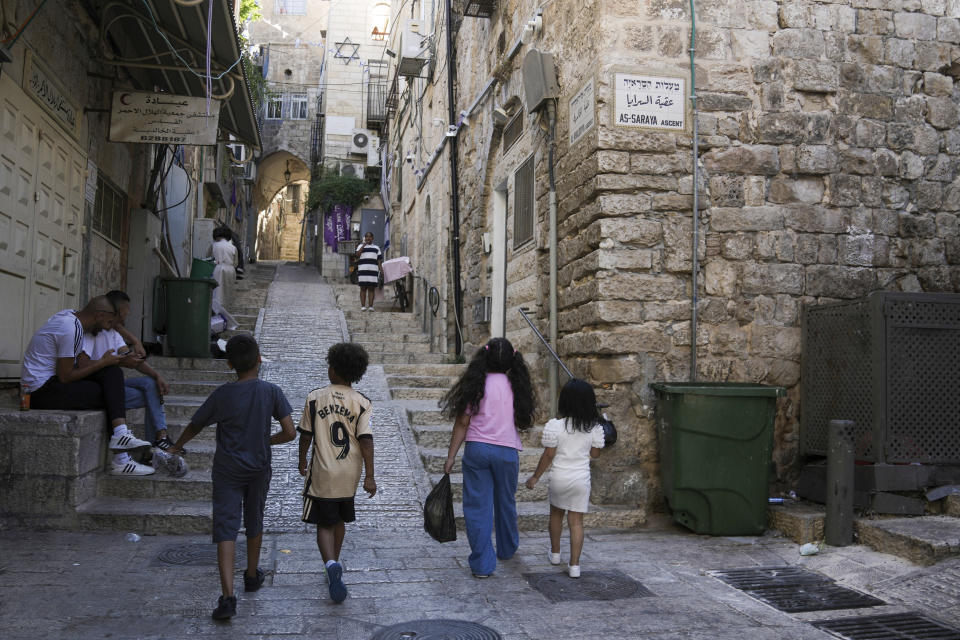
{"x":254,"y":583}
{"x":164,"y":444}
{"x":226,"y":608}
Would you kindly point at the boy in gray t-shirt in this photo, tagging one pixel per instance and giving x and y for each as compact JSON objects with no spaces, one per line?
{"x":241,"y":473}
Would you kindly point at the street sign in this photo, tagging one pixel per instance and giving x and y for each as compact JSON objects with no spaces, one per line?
{"x":148,"y":118}
{"x":649,"y":101}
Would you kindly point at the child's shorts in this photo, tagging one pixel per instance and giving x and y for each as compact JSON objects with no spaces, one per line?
{"x":327,"y":513}
{"x":234,"y":495}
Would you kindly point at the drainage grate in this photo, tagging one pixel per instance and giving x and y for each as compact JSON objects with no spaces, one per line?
{"x":592,"y":585}
{"x":436,"y":630}
{"x":795,"y":590}
{"x":896,"y":626}
{"x":194,"y":555}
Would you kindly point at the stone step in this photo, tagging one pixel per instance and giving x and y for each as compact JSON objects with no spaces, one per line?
{"x":425,"y":412}
{"x":387,"y":344}
{"x":196,"y":485}
{"x":202,"y":364}
{"x":535,"y":516}
{"x":146,"y":516}
{"x":384,"y":326}
{"x":432,"y":436}
{"x":420,"y":381}
{"x":207,"y":435}
{"x":539,"y":492}
{"x":181,"y":407}
{"x":197,"y":375}
{"x":452,"y":371}
{"x":379,"y":357}
{"x":951,"y":505}
{"x":434,"y":459}
{"x":924,"y":540}
{"x":394,"y":337}
{"x":194,"y":387}
{"x":417,"y":393}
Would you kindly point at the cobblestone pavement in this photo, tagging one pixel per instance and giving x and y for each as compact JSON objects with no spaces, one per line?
{"x":301,"y":321}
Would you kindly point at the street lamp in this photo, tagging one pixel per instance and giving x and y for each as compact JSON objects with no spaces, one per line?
{"x":286,"y":174}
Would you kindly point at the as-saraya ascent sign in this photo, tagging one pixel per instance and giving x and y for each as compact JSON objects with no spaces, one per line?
{"x":649,"y":101}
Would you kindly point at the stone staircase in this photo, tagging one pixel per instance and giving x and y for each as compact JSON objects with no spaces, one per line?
{"x":418,"y":379}
{"x":158,"y":503}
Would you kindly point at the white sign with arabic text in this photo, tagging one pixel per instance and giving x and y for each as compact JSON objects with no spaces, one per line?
{"x":163,"y":118}
{"x":649,"y":101}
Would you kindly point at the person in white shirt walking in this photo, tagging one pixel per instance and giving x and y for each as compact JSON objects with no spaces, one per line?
{"x":369,"y":266}
{"x":225,"y":273}
{"x":54,"y":381}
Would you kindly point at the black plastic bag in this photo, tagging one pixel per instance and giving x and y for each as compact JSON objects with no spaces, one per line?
{"x":438,"y":518}
{"x":609,"y":431}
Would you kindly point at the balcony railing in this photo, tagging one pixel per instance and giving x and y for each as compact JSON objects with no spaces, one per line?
{"x":376,"y":104}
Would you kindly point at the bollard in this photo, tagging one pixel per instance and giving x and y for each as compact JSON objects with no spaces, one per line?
{"x":838,"y":528}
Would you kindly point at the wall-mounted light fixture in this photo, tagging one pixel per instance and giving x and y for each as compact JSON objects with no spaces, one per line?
{"x":286,"y":174}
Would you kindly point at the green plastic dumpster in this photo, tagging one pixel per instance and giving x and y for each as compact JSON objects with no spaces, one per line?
{"x":202,"y":268}
{"x":716,"y":441}
{"x":188,"y":315}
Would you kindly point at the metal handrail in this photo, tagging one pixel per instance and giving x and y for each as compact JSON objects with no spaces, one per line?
{"x":523,"y":312}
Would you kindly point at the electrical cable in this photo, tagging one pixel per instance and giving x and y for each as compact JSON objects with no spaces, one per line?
{"x":12,"y":40}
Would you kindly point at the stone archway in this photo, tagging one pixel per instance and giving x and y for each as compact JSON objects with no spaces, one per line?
{"x":281,"y":202}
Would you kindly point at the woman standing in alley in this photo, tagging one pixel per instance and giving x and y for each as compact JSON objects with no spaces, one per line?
{"x":225,"y":273}
{"x":369,"y":265}
{"x":491,"y":402}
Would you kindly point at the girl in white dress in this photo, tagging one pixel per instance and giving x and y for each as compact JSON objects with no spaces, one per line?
{"x":569,"y":442}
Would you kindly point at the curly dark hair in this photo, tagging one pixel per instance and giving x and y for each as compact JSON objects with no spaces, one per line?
{"x":243,"y":352}
{"x":578,"y":403}
{"x":497,"y":356}
{"x":349,"y":360}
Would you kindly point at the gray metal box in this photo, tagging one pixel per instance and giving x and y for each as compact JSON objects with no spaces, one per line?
{"x":891,"y":363}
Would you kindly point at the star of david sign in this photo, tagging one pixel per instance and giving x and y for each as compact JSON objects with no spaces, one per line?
{"x":345,"y":53}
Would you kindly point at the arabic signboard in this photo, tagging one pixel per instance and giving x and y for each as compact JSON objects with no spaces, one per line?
{"x":582,"y":107}
{"x":649,"y":101}
{"x":163,"y":118}
{"x":45,"y":89}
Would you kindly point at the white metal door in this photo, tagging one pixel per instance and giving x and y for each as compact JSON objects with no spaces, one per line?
{"x":41,"y":207}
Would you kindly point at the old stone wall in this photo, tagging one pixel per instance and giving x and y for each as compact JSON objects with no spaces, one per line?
{"x":829,"y":154}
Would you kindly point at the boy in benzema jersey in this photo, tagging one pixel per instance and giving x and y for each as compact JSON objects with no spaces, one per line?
{"x":336,"y":426}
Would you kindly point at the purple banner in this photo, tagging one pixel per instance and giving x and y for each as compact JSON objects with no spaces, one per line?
{"x":336,"y":225}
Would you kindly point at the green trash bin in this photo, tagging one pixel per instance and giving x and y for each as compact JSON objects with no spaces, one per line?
{"x":202,"y":268}
{"x":716,"y":442}
{"x":188,"y":315}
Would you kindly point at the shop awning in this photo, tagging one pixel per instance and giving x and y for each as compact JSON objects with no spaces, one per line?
{"x":166,"y":41}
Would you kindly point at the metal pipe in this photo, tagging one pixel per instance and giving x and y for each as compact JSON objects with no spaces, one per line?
{"x":553,"y":353}
{"x":454,"y":183}
{"x":696,"y":201}
{"x":838,"y":527}
{"x":552,"y":369}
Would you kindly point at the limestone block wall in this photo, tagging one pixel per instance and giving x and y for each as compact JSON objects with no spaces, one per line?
{"x":830,"y":157}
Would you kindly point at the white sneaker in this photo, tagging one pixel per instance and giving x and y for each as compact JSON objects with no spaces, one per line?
{"x":573,"y":570}
{"x":554,"y":558}
{"x":130,"y":469}
{"x":363,"y":308}
{"x":126,"y":440}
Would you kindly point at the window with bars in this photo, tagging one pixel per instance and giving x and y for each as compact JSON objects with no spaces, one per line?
{"x":275,"y":107}
{"x":297,"y":109}
{"x":523,"y":203}
{"x":513,"y":131}
{"x":109,"y":211}
{"x":291,"y":7}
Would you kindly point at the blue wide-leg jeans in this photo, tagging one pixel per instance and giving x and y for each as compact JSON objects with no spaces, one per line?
{"x":489,"y":502}
{"x":143,"y":392}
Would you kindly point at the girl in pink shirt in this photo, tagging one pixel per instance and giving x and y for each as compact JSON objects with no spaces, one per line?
{"x":491,"y":402}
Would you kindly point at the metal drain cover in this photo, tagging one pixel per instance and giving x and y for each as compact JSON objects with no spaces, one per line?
{"x":436,"y":630}
{"x":194,"y":555}
{"x":895,"y":626}
{"x":794,"y":590}
{"x":592,"y":585}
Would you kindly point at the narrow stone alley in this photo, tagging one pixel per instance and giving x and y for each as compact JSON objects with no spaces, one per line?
{"x":301,"y":321}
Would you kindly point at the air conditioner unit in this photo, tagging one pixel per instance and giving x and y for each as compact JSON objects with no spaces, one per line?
{"x":360,"y":142}
{"x":414,"y":48}
{"x":373,"y":153}
{"x":351,"y":169}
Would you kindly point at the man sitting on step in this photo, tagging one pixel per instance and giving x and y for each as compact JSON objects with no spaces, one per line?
{"x":143,"y":391}
{"x":53,"y":379}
